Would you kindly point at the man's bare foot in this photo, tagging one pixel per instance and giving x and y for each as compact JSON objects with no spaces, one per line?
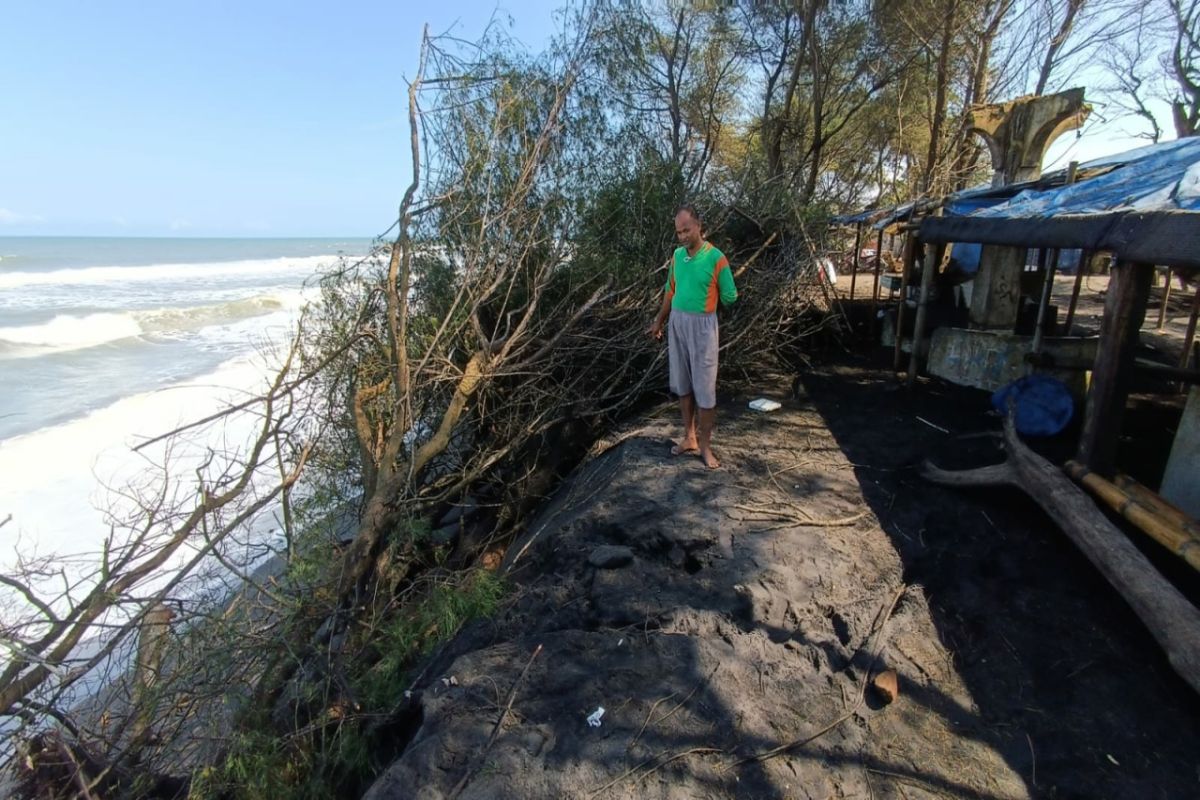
{"x":685,"y":446}
{"x":710,"y":460}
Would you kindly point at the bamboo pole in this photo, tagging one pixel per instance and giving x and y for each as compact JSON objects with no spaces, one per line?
{"x":1048,"y":282}
{"x":1188,"y":337}
{"x":910,"y":254}
{"x":1085,"y":262}
{"x":1166,"y":298}
{"x":854,"y":268}
{"x":1164,"y":509}
{"x":875,"y":290}
{"x":1139,"y":512}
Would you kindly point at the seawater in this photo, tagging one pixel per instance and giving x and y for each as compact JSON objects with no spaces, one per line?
{"x":105,"y":342}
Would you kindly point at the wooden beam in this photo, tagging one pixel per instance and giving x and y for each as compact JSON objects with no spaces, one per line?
{"x":1190,"y":336}
{"x":1166,"y":298}
{"x":1124,"y":312}
{"x":932,"y":259}
{"x":1168,"y":238}
{"x":910,"y":250}
{"x":1085,"y":263}
{"x":1043,"y":304}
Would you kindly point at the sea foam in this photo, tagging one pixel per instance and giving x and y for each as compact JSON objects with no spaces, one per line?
{"x":67,"y":332}
{"x":164,"y":272}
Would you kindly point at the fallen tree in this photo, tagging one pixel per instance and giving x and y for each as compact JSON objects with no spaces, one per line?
{"x":1171,"y":619}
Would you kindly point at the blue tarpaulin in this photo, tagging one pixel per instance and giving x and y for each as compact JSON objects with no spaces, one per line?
{"x":1160,"y":177}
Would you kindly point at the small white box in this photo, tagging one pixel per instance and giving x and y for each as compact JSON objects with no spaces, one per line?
{"x":763,"y":404}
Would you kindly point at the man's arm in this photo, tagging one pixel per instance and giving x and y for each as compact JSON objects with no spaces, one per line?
{"x":725,"y":285}
{"x":656,"y":328}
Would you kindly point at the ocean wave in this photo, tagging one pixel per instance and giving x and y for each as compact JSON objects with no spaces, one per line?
{"x":164,"y":272}
{"x":76,"y":332}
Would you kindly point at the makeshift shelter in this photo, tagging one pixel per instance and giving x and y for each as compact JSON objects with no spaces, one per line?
{"x":1143,"y":208}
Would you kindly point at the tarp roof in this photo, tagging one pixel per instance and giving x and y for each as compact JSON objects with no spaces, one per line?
{"x":1143,"y":204}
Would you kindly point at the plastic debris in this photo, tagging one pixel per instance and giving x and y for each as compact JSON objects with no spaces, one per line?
{"x":594,"y":718}
{"x":763,"y":404}
{"x":1044,"y":404}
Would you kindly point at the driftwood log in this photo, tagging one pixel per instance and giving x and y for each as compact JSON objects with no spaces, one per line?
{"x":1172,"y":620}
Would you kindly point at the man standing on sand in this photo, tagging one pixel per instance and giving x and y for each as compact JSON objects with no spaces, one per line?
{"x":699,"y":274}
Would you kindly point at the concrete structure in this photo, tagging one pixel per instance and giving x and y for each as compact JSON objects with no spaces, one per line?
{"x":1019,"y":132}
{"x":992,"y":359}
{"x":1181,"y":481}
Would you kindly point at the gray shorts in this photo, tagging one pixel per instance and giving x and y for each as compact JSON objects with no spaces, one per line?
{"x":692,"y":346}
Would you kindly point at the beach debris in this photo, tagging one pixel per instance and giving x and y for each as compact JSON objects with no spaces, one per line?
{"x":763,"y":404}
{"x":593,"y":719}
{"x":451,"y":681}
{"x":887,"y":685}
{"x":930,"y":424}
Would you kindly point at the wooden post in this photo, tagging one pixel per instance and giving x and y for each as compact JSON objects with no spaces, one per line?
{"x":1191,"y":330}
{"x":1043,"y":305}
{"x":932,"y":259}
{"x":1085,"y":262}
{"x":1124,"y":312}
{"x":875,"y":291}
{"x":910,"y":254}
{"x":854,"y":267}
{"x":1166,"y":298}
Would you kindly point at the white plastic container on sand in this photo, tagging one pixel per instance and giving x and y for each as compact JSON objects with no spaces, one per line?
{"x":763,"y":404}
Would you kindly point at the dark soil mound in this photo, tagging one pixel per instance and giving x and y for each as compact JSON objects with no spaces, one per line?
{"x":720,"y":616}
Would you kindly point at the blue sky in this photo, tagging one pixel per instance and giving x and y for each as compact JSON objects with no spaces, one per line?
{"x":252,"y":118}
{"x":202,"y":118}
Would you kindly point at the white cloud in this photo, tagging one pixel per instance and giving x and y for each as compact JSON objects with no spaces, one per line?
{"x":13,"y":218}
{"x":180,"y":224}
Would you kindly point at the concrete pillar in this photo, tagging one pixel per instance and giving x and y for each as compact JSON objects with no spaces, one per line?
{"x":996,"y":294}
{"x":1181,"y":481}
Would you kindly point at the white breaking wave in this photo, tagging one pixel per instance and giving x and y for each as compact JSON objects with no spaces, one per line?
{"x":164,"y":272}
{"x":76,"y":332}
{"x":66,"y":332}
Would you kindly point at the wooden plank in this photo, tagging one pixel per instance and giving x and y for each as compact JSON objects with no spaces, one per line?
{"x":910,"y":249}
{"x":1124,"y":312}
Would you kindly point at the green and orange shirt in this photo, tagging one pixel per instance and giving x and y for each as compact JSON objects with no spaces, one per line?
{"x":694,"y":283}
